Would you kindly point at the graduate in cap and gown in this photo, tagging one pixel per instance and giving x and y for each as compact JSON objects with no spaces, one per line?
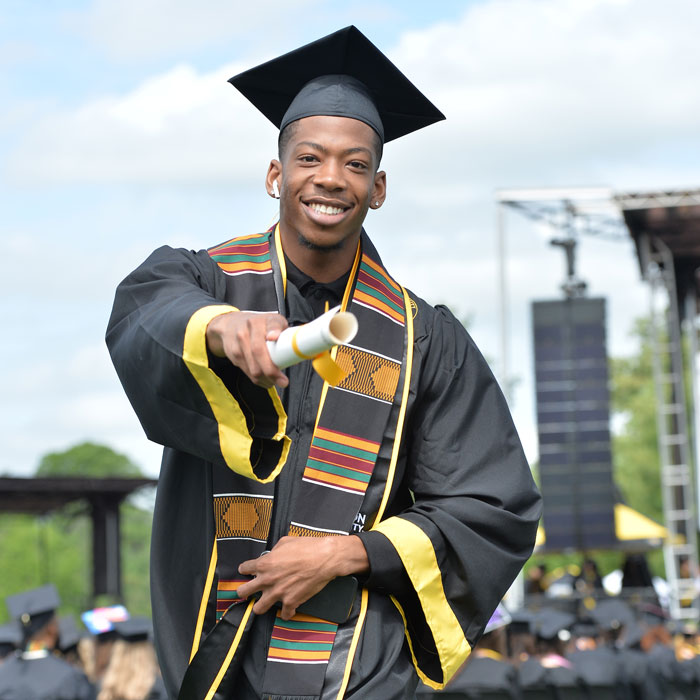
{"x":132,"y":672}
{"x":36,"y":672}
{"x":600,"y":665}
{"x":549,"y":673}
{"x":319,"y":536}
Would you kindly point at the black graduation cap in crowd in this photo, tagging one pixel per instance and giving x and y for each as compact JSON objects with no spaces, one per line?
{"x":550,"y":624}
{"x":612,"y":613}
{"x":68,"y":633}
{"x":652,"y":615}
{"x":584,"y":628}
{"x":633,"y":635}
{"x":522,"y":621}
{"x":33,"y":609}
{"x":135,"y":629}
{"x":343,"y":74}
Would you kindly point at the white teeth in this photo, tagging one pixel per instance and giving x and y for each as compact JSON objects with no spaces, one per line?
{"x":323,"y":209}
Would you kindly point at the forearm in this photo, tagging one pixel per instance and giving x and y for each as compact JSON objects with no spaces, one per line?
{"x":348,"y":556}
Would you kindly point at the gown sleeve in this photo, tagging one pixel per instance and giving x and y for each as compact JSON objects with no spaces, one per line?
{"x":448,"y":559}
{"x":184,"y":397}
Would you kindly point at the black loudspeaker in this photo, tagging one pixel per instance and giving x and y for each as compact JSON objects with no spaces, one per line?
{"x":573,"y":424}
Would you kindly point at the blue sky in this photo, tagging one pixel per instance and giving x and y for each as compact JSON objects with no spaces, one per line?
{"x":118,"y":133}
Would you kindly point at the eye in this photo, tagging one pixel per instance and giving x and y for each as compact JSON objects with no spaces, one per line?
{"x":357,"y":165}
{"x":307,"y":158}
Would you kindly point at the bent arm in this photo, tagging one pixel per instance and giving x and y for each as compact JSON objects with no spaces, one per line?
{"x":450,"y":557}
{"x":184,"y":396}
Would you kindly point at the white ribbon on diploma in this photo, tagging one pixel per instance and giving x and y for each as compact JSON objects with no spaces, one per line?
{"x":313,"y":341}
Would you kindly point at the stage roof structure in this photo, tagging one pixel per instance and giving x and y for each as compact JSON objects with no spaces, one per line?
{"x":43,"y":495}
{"x":672,"y":217}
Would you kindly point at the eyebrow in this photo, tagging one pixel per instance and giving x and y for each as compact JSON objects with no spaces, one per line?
{"x":323,"y":149}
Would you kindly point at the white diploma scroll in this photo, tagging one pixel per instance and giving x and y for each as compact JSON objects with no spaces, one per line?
{"x":308,"y":341}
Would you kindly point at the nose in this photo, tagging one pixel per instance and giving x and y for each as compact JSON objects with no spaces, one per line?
{"x":329,"y":175}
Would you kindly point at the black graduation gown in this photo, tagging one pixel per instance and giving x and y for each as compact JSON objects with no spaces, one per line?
{"x":645,"y":682}
{"x":558,"y":683}
{"x":461,"y":479}
{"x":44,"y":678}
{"x":603,"y":672}
{"x":482,"y":678}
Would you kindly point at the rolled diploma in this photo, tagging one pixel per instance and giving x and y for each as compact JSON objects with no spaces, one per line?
{"x":305,"y":342}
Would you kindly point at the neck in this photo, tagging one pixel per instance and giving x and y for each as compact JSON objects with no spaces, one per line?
{"x":321,"y":264}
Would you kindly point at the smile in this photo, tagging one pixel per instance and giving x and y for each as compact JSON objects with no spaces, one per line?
{"x":324,"y":209}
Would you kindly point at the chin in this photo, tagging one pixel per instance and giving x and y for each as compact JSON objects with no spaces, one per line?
{"x":320,"y":246}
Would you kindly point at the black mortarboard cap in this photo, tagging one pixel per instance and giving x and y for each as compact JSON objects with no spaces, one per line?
{"x":522,"y":621}
{"x":584,"y":628}
{"x":34,"y":602}
{"x":549,"y":623}
{"x":653,"y":615}
{"x":633,"y":635}
{"x":343,"y":74}
{"x":33,"y":609}
{"x":612,"y":613}
{"x":135,"y":629}
{"x":68,"y":633}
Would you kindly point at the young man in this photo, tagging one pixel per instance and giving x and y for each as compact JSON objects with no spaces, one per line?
{"x":279,"y":491}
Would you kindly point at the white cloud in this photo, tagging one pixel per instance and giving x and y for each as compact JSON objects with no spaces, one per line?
{"x":131,"y":30}
{"x":179,"y":127}
{"x":533,"y":90}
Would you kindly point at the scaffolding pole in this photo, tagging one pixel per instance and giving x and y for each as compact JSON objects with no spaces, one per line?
{"x":673,"y":429}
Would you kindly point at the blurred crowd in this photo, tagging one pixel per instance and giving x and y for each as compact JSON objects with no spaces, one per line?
{"x":44,"y":657}
{"x":573,"y":640}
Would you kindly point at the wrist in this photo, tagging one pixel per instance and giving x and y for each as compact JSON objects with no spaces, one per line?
{"x":214,"y":334}
{"x":348,"y":556}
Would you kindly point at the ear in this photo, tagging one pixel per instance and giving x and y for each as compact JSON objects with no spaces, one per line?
{"x":273,"y":177}
{"x":379,"y":190}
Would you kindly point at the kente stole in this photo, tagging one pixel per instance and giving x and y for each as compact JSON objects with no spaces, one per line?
{"x":351,"y":423}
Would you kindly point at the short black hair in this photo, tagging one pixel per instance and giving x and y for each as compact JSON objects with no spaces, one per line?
{"x":288,"y":132}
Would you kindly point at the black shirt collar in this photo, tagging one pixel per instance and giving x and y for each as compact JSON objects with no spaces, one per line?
{"x":312,"y":290}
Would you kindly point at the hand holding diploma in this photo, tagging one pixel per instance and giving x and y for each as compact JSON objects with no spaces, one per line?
{"x":255,"y":343}
{"x":313,"y":341}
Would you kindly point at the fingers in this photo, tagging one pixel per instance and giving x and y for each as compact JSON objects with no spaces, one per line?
{"x":287,"y":612}
{"x":244,"y":339}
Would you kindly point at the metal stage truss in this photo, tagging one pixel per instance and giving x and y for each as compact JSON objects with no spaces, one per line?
{"x":665,"y":226}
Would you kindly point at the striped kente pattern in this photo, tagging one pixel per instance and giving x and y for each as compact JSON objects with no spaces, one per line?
{"x":242,"y":516}
{"x":340,"y":461}
{"x":227,"y":595}
{"x":248,"y":254}
{"x":301,"y":531}
{"x":378,"y":291}
{"x":368,"y":374}
{"x":303,"y":639}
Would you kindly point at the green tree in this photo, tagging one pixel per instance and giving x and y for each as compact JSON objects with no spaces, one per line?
{"x":635,"y":446}
{"x":87,"y":459}
{"x":57,"y":547}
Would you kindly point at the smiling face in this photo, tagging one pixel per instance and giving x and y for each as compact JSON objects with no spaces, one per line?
{"x":327,"y":179}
